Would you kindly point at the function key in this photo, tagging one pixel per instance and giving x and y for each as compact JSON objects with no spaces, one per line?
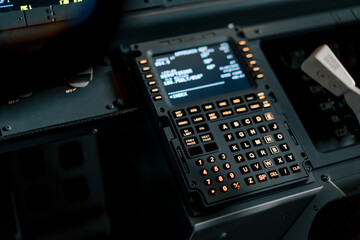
{"x":261,"y":96}
{"x":187,"y":132}
{"x":261,"y":177}
{"x":223,"y":103}
{"x":255,"y":106}
{"x":249,"y":56}
{"x":202,"y":128}
{"x":295,"y":168}
{"x":179,"y":113}
{"x":206,"y":138}
{"x":198,"y":119}
{"x":256,"y":69}
{"x":193,"y":110}
{"x":148,"y":76}
{"x":208,"y":106}
{"x":154,"y":90}
{"x":182,"y":122}
{"x":252,"y":63}
{"x":273,"y":174}
{"x":241,"y":109}
{"x":260,"y":76}
{"x":269,"y":116}
{"x":250,"y":97}
{"x":227,"y":112}
{"x":213,"y":116}
{"x":266,"y":104}
{"x":242,"y":43}
{"x":191,"y":141}
{"x":236,"y":100}
{"x":151,"y":83}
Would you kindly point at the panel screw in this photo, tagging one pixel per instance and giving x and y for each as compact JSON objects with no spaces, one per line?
{"x":325,"y":177}
{"x":7,"y":128}
{"x":94,"y":131}
{"x":110,"y":106}
{"x":223,"y":235}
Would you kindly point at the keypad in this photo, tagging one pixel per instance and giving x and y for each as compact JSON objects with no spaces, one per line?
{"x":237,"y":146}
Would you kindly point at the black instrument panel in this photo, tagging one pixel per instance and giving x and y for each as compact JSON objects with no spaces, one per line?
{"x":229,"y":137}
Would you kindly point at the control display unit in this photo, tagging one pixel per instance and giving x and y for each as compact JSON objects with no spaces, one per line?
{"x":224,"y":137}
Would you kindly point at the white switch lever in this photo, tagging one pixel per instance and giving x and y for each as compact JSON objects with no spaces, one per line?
{"x":324,"y":67}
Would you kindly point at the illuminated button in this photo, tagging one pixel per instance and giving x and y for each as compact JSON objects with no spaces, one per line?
{"x":255,"y":106}
{"x":256,"y":69}
{"x":242,"y":43}
{"x":262,"y":129}
{"x":259,"y":76}
{"x":284,"y":171}
{"x":193,"y":110}
{"x":202,"y":128}
{"x":266,"y":104}
{"x":183,"y":122}
{"x":268,"y":163}
{"x":274,"y":150}
{"x":151,"y":83}
{"x":154,"y":90}
{"x":206,"y":138}
{"x":295,"y":168}
{"x":143,"y":61}
{"x":241,"y":109}
{"x":236,"y":100}
{"x":231,"y":175}
{"x":223,"y":103}
{"x":257,"y":119}
{"x":224,"y":127}
{"x":208,"y":182}
{"x":261,"y":177}
{"x":208,"y":106}
{"x":257,"y":142}
{"x":179,"y":113}
{"x":148,"y":76}
{"x":211,"y":147}
{"x":273,"y":174}
{"x":145,"y":69}
{"x":261,"y":152}
{"x":284,"y":147}
{"x":256,"y":166}
{"x":227,"y":112}
{"x":239,"y":158}
{"x":213,"y":116}
{"x":244,"y":169}
{"x":261,"y":96}
{"x":191,"y":141}
{"x":246,"y":49}
{"x":224,"y":188}
{"x":250,"y":155}
{"x":249,"y":55}
{"x":212,"y":192}
{"x":235,"y":185}
{"x":269,"y":116}
{"x":245,"y":144}
{"x":157,"y":98}
{"x":268,"y":139}
{"x":198,"y":119}
{"x":187,"y":132}
{"x":249,"y":181}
